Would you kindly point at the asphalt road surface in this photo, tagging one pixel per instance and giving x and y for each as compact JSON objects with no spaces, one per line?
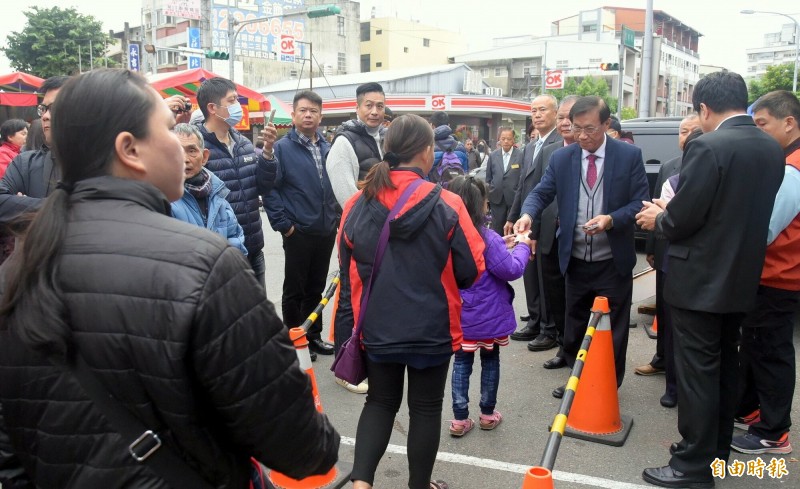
{"x":498,"y":459}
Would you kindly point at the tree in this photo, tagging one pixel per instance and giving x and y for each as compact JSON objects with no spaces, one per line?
{"x":587,"y":86}
{"x":628,"y":113}
{"x":778,"y":77}
{"x":49,"y":43}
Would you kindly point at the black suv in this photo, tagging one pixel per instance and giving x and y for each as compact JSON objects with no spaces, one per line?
{"x":658,"y":139}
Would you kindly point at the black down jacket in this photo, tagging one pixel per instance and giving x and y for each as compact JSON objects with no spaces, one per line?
{"x":173,"y":323}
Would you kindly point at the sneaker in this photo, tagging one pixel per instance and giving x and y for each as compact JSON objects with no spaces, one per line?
{"x":460,"y":427}
{"x":490,"y":421}
{"x":754,"y":445}
{"x":744,"y":422}
{"x":361,"y":388}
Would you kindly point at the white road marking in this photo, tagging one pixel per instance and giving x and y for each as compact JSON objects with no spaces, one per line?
{"x":514,"y":468}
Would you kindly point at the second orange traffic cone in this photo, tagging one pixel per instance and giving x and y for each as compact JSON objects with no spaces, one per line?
{"x":652,"y":331}
{"x":595,"y":412}
{"x":538,"y":478}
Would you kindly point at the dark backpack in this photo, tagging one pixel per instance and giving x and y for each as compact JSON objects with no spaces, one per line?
{"x":449,"y":168}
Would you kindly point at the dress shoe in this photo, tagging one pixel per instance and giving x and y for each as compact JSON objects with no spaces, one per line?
{"x":554,"y":363}
{"x":319,"y":346}
{"x":669,"y":401}
{"x":668,"y":477}
{"x":313,"y":356}
{"x":648,"y":370}
{"x":542,"y":343}
{"x":558,"y":392}
{"x":524,"y":319}
{"x":673,"y":448}
{"x":528,"y":333}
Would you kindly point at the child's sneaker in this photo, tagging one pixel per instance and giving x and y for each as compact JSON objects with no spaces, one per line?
{"x":460,"y":427}
{"x":744,"y":422}
{"x":490,"y":421}
{"x":754,"y":445}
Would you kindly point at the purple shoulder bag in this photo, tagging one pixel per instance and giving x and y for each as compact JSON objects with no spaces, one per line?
{"x":349,"y":364}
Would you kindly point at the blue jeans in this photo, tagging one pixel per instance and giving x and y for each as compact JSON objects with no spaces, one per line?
{"x":490,"y":381}
{"x":259,"y":268}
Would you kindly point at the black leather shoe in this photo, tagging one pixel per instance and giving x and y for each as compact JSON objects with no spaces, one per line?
{"x":554,"y":363}
{"x":542,"y":343}
{"x":524,"y":319}
{"x":528,"y":333}
{"x":668,"y":477}
{"x":319,"y":346}
{"x":668,"y":401}
{"x":313,"y":356}
{"x":558,"y":392}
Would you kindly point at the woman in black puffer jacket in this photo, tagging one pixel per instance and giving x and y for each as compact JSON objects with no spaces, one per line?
{"x":166,"y":315}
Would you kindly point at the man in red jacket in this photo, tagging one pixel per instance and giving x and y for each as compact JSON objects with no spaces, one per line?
{"x":766,"y":354}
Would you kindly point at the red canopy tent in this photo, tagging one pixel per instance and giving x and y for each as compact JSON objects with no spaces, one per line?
{"x":187,"y":82}
{"x":18,"y":89}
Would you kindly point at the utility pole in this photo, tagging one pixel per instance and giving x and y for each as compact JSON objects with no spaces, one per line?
{"x":647,"y":63}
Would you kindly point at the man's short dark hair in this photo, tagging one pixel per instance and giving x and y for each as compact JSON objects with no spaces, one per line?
{"x":588,"y":104}
{"x":53,"y":83}
{"x":721,"y":91}
{"x":779,"y":104}
{"x":212,"y":91}
{"x":388,"y":115}
{"x":309,"y":95}
{"x":439,"y":119}
{"x":368,"y":88}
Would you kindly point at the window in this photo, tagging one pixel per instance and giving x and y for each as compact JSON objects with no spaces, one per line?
{"x":484,"y":72}
{"x":378,"y":32}
{"x":405,"y":50}
{"x":365,"y":63}
{"x":365,"y":31}
{"x":340,"y":25}
{"x":590,"y":28}
{"x":378,"y":64}
{"x":562,"y":63}
{"x":595,"y":60}
{"x":529,"y":67}
{"x":500,"y":72}
{"x":426,"y":42}
{"x":342,"y":63}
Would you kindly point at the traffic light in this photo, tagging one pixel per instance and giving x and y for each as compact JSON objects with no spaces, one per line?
{"x":609,"y":66}
{"x":217,"y":55}
{"x":323,"y":11}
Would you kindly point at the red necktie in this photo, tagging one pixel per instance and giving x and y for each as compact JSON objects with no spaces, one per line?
{"x":591,"y":170}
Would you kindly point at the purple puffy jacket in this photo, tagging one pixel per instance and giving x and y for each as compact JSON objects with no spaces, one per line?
{"x":487,"y":310}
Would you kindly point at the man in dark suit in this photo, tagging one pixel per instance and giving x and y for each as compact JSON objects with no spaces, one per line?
{"x":502,"y":175}
{"x":717,"y":230}
{"x":599,"y":185}
{"x":663,"y":360}
{"x":539,"y":330}
{"x":545,"y":231}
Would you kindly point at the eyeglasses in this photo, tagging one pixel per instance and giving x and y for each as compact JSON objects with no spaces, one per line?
{"x":589,"y":131}
{"x":41,"y":109}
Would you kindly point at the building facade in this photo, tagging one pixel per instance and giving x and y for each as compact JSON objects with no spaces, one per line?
{"x":778,"y":48}
{"x":280,"y":47}
{"x":391,"y":43}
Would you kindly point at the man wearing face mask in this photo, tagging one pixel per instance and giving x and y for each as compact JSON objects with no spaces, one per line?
{"x":233,"y":159}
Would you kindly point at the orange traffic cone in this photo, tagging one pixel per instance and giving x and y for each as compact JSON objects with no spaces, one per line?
{"x":337,"y":476}
{"x":594,"y":415}
{"x":538,"y":478}
{"x":652,"y":331}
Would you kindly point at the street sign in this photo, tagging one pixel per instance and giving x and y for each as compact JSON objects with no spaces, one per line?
{"x":133,"y":57}
{"x":554,"y":80}
{"x":287,"y":48}
{"x":194,"y":62}
{"x":193,"y":37}
{"x":628,"y":37}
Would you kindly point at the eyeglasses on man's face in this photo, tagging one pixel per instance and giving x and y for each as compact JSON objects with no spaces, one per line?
{"x":42,"y":109}
{"x":589,"y":130}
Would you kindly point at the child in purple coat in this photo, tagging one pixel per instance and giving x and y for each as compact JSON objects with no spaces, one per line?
{"x":487,"y":314}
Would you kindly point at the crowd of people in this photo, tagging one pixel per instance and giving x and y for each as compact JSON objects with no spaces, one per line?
{"x":162,"y":328}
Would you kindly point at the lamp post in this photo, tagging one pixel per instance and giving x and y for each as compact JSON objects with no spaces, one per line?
{"x":796,"y":40}
{"x":236,"y":26}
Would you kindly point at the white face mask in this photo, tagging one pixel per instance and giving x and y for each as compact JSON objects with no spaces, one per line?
{"x":235,"y":114}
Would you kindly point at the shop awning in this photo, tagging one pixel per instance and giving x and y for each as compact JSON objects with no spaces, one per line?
{"x":187,"y":82}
